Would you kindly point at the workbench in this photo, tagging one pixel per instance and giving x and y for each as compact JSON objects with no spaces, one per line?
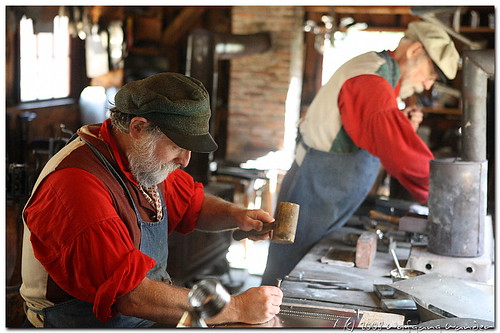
{"x":310,"y":267}
{"x":348,"y":305}
{"x":309,"y":301}
{"x":361,"y":297}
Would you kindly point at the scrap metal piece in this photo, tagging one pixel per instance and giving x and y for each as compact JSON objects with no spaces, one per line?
{"x":450,"y":295}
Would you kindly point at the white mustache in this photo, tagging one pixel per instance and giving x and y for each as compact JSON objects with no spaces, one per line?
{"x":145,"y":166}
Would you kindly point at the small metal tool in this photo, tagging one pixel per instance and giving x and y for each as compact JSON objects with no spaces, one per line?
{"x":396,"y":261}
{"x":321,"y":286}
{"x":310,"y":280}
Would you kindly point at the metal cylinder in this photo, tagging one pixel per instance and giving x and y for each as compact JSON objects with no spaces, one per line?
{"x":457,"y":207}
{"x":208,"y":297}
{"x":474,"y":93}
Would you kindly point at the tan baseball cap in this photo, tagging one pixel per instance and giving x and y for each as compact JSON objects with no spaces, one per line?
{"x":438,"y":45}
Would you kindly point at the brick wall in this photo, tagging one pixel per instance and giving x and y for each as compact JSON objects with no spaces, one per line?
{"x":259,"y":84}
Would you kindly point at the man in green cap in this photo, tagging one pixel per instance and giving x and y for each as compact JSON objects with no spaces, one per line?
{"x":353,"y":126}
{"x":96,"y":226}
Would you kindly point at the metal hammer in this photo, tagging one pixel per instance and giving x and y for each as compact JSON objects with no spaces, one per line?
{"x":284,"y":226}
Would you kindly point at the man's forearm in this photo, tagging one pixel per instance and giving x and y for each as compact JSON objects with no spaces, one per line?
{"x":155,"y":301}
{"x":217,"y":214}
{"x":164,"y":303}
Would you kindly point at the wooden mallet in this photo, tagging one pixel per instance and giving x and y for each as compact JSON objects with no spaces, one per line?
{"x":284,"y":226}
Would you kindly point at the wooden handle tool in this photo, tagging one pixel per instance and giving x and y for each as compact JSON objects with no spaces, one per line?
{"x":284,"y":227}
{"x":376,"y":215}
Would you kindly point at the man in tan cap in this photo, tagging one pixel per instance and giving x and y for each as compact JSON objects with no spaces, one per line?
{"x":96,"y":226}
{"x":351,"y":127}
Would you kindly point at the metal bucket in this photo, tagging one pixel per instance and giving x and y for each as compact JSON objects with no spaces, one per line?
{"x":457,"y":207}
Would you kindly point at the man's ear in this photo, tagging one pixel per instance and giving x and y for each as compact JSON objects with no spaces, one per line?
{"x":136,"y":127}
{"x":414,"y":50}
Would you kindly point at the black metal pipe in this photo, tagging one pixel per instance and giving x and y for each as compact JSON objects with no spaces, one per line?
{"x":478,"y":66}
{"x":228,"y":46}
{"x":204,"y":50}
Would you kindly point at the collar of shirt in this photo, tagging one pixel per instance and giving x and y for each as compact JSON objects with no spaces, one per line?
{"x":398,"y":85}
{"x":120,"y":158}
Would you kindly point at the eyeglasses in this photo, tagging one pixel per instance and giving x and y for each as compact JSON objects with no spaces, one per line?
{"x":433,"y":72}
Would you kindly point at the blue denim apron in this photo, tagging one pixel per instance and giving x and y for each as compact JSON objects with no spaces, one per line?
{"x":329,"y":187}
{"x":154,"y":243}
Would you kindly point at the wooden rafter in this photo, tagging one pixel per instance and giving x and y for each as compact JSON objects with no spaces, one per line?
{"x":182,"y":23}
{"x":381,"y":10}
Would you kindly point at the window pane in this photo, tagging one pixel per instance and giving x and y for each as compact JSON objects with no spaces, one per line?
{"x":28,"y":60}
{"x":45,"y":78}
{"x":28,"y":79}
{"x":61,"y":37}
{"x":45,"y":62}
{"x":61,"y":85}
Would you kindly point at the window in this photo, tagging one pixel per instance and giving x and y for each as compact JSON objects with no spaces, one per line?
{"x":353,"y":43}
{"x":45,"y":61}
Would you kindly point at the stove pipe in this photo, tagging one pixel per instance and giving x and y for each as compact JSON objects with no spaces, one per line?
{"x":204,"y":50}
{"x":458,"y":186}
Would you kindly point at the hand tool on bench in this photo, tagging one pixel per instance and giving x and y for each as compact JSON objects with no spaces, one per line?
{"x":333,"y":286}
{"x":376,"y":215}
{"x":311,"y":280}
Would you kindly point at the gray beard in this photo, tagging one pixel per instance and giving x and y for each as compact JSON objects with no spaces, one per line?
{"x":408,"y":88}
{"x":145,"y":167}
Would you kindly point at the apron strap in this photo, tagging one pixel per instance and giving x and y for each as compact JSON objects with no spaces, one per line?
{"x":113,"y":172}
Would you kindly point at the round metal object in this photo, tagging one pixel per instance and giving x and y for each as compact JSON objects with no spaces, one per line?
{"x":408,"y":273}
{"x":208,"y":297}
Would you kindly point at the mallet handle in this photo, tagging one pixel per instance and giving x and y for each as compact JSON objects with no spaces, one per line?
{"x":239,"y":234}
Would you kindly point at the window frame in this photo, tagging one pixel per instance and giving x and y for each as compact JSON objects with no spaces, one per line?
{"x":77,"y":82}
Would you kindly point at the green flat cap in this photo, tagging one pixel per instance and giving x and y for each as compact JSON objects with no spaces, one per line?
{"x":438,"y":45}
{"x":178,"y":104}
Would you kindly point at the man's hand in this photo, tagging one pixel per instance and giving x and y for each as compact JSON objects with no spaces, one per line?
{"x":254,"y":306}
{"x":218,"y":214}
{"x":255,"y":219}
{"x":415,"y":115}
{"x":164,"y":303}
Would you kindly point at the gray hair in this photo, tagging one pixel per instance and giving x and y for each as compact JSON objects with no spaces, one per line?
{"x":121,"y":121}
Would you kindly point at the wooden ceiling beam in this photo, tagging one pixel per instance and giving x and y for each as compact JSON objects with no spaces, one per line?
{"x":379,"y":10}
{"x":182,"y":23}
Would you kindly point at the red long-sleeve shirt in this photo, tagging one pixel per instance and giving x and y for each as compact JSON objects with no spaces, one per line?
{"x":83,"y":244}
{"x":375,"y":123}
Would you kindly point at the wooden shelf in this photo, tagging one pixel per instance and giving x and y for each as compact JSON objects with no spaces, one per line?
{"x":476,"y":30}
{"x":442,"y":111}
{"x":150,"y":51}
